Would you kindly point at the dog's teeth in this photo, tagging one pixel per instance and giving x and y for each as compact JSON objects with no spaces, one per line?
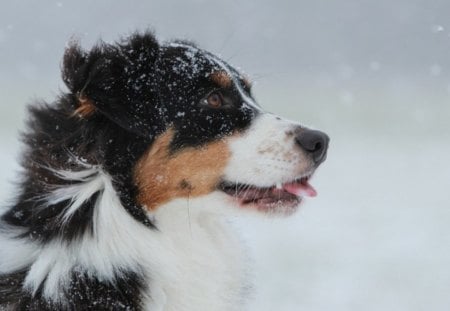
{"x":278,"y":185}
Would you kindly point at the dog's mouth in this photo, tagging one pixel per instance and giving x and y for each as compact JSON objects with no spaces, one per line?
{"x":281,"y":197}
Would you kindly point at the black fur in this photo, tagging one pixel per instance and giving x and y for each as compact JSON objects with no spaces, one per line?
{"x":139,"y":89}
{"x":83,"y":293}
{"x":11,"y":289}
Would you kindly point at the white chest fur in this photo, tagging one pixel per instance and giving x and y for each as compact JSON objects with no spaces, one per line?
{"x":205,"y":267}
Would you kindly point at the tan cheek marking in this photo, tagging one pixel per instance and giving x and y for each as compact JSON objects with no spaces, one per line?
{"x":161,"y":177}
{"x":86,"y":108}
{"x":221,"y":78}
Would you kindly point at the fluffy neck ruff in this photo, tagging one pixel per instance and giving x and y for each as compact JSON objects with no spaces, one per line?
{"x":190,"y":259}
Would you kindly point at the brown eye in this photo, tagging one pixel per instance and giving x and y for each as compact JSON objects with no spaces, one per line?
{"x":214,"y":100}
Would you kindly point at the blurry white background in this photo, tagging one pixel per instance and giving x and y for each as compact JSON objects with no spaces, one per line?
{"x":375,"y":75}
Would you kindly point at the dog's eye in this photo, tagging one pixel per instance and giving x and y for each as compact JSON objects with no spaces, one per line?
{"x":214,"y":100}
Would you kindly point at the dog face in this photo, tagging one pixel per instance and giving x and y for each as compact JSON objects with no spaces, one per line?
{"x":144,"y":129}
{"x":199,"y":127}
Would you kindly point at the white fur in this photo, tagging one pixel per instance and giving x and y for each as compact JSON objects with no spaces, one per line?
{"x":15,"y":253}
{"x":210,"y":270}
{"x":266,"y":154}
{"x":192,"y":262}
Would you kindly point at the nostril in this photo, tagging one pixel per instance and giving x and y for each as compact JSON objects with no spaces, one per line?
{"x":317,"y":147}
{"x":313,"y":142}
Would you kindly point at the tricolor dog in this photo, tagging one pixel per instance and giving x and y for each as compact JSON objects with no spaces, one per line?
{"x":129,"y":179}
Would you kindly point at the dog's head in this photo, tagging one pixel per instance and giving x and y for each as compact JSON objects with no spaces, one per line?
{"x":194,"y":127}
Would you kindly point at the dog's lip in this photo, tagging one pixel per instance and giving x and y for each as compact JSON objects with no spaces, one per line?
{"x":287,"y":194}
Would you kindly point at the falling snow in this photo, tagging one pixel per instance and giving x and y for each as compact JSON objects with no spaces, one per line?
{"x":390,"y":129}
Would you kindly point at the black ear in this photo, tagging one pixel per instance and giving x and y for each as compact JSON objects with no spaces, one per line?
{"x":115,"y":80}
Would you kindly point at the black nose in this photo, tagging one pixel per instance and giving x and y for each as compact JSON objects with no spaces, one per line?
{"x":315,"y":143}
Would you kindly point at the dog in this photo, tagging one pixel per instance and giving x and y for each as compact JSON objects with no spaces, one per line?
{"x":130,"y":177}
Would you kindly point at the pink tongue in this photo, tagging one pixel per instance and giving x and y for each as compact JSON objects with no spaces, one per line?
{"x":300,"y":189}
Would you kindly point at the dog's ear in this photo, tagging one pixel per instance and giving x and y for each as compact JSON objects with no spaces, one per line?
{"x":115,"y":80}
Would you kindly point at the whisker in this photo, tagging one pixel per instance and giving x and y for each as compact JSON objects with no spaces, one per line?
{"x":189,"y":214}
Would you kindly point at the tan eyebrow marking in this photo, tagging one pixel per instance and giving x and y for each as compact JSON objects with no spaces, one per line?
{"x":86,"y":108}
{"x":221,"y":78}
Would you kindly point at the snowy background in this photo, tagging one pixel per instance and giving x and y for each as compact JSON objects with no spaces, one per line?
{"x":375,"y":75}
